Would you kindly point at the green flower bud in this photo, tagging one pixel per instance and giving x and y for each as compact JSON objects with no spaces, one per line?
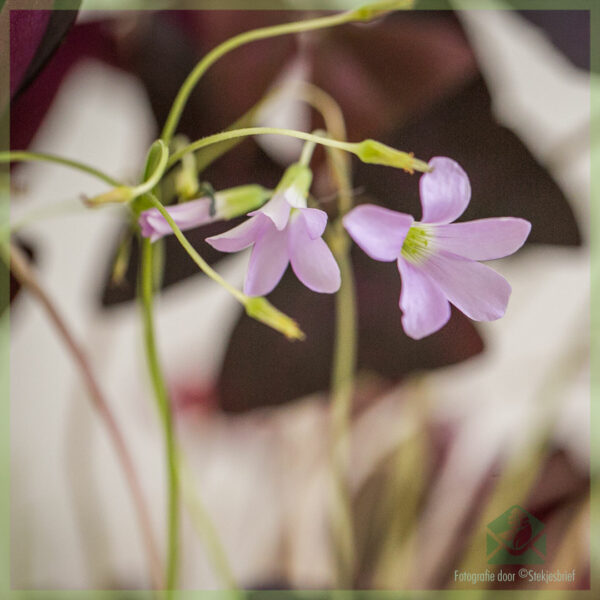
{"x":373,"y":11}
{"x":262,"y":310}
{"x":240,"y":200}
{"x":118,"y":195}
{"x":371,"y":151}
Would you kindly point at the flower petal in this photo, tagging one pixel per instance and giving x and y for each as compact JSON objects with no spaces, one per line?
{"x":475,"y":289}
{"x":187,"y":216}
{"x":312,"y":260}
{"x":445,"y":192}
{"x":315,"y":221}
{"x":268,"y":261}
{"x":242,"y":236}
{"x":380,"y":232}
{"x":277,"y":209}
{"x":424,"y":306}
{"x":484,"y":239}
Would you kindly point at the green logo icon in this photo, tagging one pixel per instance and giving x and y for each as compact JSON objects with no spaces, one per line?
{"x":516,"y":538}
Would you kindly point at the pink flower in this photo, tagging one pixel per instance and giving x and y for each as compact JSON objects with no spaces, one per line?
{"x":284,"y":231}
{"x":187,"y":216}
{"x":226,"y":204}
{"x":437,"y":259}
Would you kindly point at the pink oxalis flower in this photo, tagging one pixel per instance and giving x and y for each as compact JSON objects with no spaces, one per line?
{"x":437,"y":259}
{"x":284,"y":231}
{"x":225,"y":204}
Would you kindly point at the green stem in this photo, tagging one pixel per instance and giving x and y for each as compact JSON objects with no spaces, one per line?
{"x":23,"y":156}
{"x":164,"y":408}
{"x":342,"y":387}
{"x":256,"y":307}
{"x":202,"y":264}
{"x":307,"y":153}
{"x":205,"y":527}
{"x":233,"y":43}
{"x":250,"y":131}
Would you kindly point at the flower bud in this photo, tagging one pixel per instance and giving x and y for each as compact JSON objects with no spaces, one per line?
{"x":262,"y":310}
{"x":294,"y":185}
{"x":373,"y":11}
{"x":240,"y":200}
{"x":118,"y":195}
{"x":371,"y":151}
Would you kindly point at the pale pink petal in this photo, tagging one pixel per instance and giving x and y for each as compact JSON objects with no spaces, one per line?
{"x":423,"y":304}
{"x":242,"y":236}
{"x":485,"y":239}
{"x":315,"y":221}
{"x":277,"y":209}
{"x":380,"y":232}
{"x":312,"y":260}
{"x":475,"y":289}
{"x":187,"y":216}
{"x":445,"y":192}
{"x":268,"y":261}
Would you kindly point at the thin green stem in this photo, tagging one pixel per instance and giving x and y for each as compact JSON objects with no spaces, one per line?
{"x":205,"y":527}
{"x":233,"y":43}
{"x":250,"y":131}
{"x":23,"y":156}
{"x":152,"y":179}
{"x":345,"y":349}
{"x":256,"y":307}
{"x":164,"y":409}
{"x":307,"y":153}
{"x":342,"y":387}
{"x":202,"y":264}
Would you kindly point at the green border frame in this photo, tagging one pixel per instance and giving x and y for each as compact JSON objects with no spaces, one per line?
{"x":594,"y":7}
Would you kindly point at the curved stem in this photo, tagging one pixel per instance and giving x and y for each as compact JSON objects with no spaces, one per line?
{"x":235,"y":42}
{"x":23,"y":156}
{"x":19,"y":265}
{"x":250,"y":131}
{"x":164,"y":408}
{"x":200,"y":262}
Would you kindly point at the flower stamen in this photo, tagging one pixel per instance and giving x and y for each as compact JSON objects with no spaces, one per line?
{"x":416,"y":243}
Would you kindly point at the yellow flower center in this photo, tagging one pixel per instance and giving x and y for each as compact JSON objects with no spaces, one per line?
{"x":416,"y":242}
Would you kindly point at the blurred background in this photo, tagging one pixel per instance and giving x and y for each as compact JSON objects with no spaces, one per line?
{"x":448,"y":433}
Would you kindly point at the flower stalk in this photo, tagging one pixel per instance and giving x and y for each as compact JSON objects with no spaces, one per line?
{"x":19,"y":266}
{"x":364,"y":14}
{"x":369,"y":151}
{"x":256,"y":308}
{"x":164,"y":409}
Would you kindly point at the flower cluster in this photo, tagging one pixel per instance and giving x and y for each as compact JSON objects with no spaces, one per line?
{"x":438,"y":259}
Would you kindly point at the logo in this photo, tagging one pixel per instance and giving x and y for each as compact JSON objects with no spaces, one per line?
{"x":516,"y":538}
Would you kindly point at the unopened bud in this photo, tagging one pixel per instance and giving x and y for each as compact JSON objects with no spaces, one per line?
{"x":118,"y":195}
{"x":378,"y":9}
{"x":371,"y":151}
{"x":262,"y":310}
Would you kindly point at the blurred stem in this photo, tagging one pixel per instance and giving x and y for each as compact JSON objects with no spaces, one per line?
{"x":233,"y":43}
{"x":205,"y":527}
{"x":200,"y":262}
{"x":344,"y":358}
{"x":250,"y":131}
{"x":23,"y":156}
{"x":20,"y":267}
{"x":164,"y":409}
{"x":342,"y":387}
{"x":307,"y":92}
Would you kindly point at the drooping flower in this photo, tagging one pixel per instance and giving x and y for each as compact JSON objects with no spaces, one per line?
{"x":438,"y":259}
{"x":225,"y":205}
{"x":284,"y":231}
